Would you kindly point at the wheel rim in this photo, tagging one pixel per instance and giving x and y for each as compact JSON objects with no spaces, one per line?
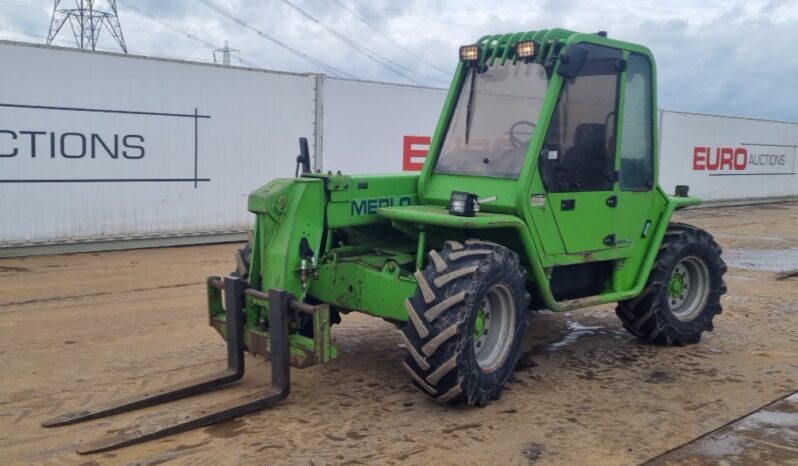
{"x":493,"y":328}
{"x":688,"y":288}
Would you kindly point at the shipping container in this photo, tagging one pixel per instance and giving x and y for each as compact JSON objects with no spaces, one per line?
{"x":106,"y":150}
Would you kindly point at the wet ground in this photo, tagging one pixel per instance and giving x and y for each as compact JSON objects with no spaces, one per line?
{"x":77,"y":330}
{"x":776,"y":260}
{"x":767,"y":436}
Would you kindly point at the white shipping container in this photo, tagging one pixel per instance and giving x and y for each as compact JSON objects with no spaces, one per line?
{"x":119,"y":147}
{"x":95,"y":146}
{"x":726,"y":158}
{"x":366,"y":124}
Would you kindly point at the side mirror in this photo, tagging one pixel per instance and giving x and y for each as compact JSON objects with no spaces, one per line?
{"x":303,"y":159}
{"x":571,"y":63}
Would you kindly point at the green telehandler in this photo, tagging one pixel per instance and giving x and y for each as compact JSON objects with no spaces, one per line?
{"x":539,"y":191}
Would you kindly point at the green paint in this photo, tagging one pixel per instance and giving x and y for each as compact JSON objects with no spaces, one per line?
{"x":421,"y":249}
{"x":676,"y":285}
{"x":360,"y":283}
{"x":369,"y":234}
{"x":479,"y":324}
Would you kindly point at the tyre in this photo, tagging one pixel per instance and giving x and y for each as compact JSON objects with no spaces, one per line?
{"x":683,"y":291}
{"x":466,"y":321}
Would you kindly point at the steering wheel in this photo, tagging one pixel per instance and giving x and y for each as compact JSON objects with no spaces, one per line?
{"x":515,"y":140}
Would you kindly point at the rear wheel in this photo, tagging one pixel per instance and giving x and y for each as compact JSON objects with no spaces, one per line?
{"x":466,"y":320}
{"x":683,"y":292}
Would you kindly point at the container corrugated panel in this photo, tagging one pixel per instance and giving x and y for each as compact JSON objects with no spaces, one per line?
{"x":724,"y":158}
{"x":97,"y":146}
{"x":372,"y":127}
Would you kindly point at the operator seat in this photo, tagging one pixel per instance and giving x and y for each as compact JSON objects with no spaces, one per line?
{"x":586,"y":162}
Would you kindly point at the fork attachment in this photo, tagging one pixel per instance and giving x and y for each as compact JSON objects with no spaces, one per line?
{"x":234,"y":290}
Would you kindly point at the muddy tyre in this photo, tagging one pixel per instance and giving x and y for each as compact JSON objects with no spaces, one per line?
{"x":466,"y":321}
{"x":683,"y":291}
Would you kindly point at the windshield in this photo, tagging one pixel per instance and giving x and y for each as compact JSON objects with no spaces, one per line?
{"x":494,"y":120}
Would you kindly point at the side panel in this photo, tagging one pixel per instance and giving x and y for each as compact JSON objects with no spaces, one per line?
{"x":652,"y":207}
{"x":723,"y":158}
{"x":354,"y":200}
{"x":584,"y":220}
{"x":129,"y":147}
{"x":365,"y":123}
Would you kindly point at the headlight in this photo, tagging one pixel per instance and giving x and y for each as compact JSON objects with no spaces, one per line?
{"x":470,"y":53}
{"x":463,"y":204}
{"x":526,"y":49}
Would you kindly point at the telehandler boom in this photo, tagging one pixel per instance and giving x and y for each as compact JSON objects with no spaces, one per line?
{"x":539,"y":191}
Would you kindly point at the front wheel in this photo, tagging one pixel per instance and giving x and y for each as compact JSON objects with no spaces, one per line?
{"x":683,"y":292}
{"x":465,"y":322}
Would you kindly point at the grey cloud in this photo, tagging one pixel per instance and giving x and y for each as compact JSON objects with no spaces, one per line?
{"x":713,"y":56}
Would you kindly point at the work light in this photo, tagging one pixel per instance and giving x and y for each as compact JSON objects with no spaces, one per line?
{"x":463,"y":204}
{"x":526,"y":49}
{"x":470,"y":53}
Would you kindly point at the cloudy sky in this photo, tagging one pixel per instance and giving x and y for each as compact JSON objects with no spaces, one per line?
{"x":714,"y":56}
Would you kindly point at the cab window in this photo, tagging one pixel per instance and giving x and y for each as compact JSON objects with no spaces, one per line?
{"x":579,"y":149}
{"x":637,"y":148}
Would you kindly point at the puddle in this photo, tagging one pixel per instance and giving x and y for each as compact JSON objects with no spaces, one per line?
{"x":717,"y":447}
{"x":763,"y":419}
{"x":576,"y":331}
{"x":766,"y":436}
{"x":772,"y":260}
{"x":748,"y":237}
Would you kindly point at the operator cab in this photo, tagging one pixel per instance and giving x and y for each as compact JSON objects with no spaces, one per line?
{"x":566,"y":118}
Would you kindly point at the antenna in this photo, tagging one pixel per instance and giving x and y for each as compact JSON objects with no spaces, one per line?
{"x":86,"y":22}
{"x":225,"y":51}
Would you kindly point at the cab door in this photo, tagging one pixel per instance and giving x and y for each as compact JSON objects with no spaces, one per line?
{"x":577,"y":163}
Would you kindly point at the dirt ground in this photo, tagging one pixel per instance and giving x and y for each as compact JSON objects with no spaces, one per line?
{"x":80,"y":329}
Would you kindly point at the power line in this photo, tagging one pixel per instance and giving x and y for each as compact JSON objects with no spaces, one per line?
{"x":390,"y":39}
{"x":145,"y":31}
{"x":330,"y":69}
{"x":186,"y":33}
{"x":387,"y":63}
{"x":21,"y":6}
{"x":65,"y":41}
{"x":28,"y":34}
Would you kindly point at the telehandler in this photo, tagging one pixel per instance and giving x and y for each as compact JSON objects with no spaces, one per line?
{"x":539,"y":191}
